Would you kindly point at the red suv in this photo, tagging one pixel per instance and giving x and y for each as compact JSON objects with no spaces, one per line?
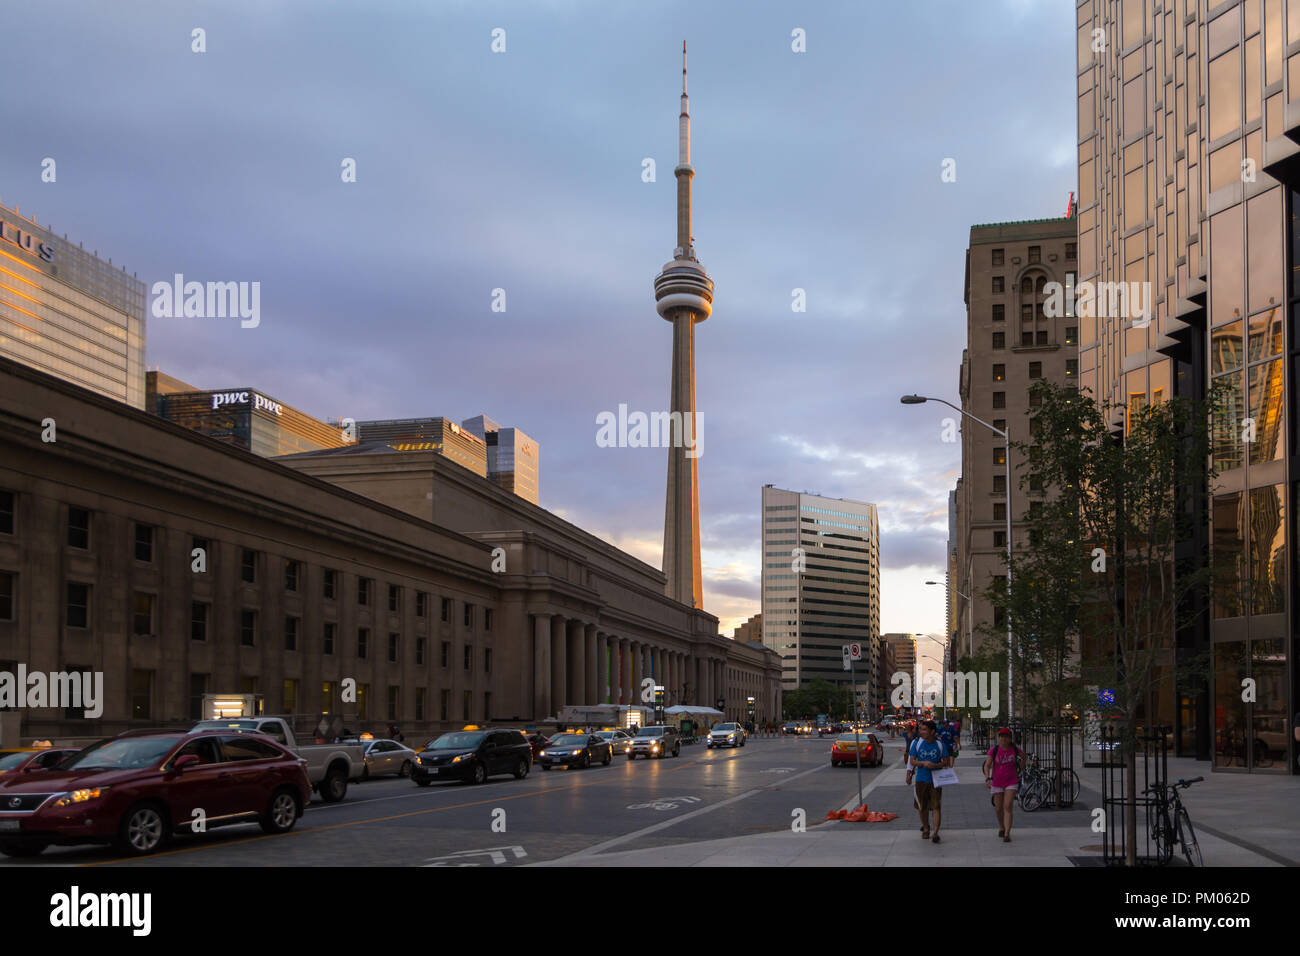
{"x":137,"y":789}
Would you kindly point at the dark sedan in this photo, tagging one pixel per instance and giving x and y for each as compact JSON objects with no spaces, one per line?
{"x":575,"y":750}
{"x":137,"y":789}
{"x":473,"y":756}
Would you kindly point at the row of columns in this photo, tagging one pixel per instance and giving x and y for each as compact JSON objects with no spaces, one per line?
{"x":575,"y":663}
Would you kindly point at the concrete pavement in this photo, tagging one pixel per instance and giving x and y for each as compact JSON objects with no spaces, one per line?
{"x":1241,"y":820}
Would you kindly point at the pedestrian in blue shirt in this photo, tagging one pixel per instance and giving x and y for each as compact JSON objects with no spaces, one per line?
{"x":924,"y":755}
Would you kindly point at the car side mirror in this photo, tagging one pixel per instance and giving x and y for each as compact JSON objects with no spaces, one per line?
{"x":185,"y":760}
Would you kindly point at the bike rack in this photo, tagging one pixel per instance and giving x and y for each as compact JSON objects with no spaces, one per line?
{"x":1151,"y":763}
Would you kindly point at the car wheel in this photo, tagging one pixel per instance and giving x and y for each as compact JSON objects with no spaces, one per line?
{"x":423,"y":783}
{"x":23,"y":849}
{"x":143,"y":830}
{"x":742,"y":741}
{"x":479,"y":774}
{"x":281,"y":813}
{"x":405,"y":771}
{"x":546,"y":766}
{"x":630,"y":755}
{"x":521,"y":769}
{"x":335,"y":785}
{"x":677,"y":750}
{"x":365,"y":771}
{"x":710,"y":747}
{"x":608,"y":757}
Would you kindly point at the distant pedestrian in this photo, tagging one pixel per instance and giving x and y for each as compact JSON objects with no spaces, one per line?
{"x":945,"y":734}
{"x":1002,"y":768}
{"x":925,"y":755}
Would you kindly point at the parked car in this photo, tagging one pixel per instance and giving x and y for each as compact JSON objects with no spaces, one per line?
{"x":329,"y":766}
{"x":726,"y":735}
{"x":473,"y":756}
{"x":844,"y":751}
{"x":576,"y":750}
{"x":387,"y":756}
{"x":137,"y":789}
{"x":34,"y":758}
{"x":619,"y":740}
{"x":655,"y":741}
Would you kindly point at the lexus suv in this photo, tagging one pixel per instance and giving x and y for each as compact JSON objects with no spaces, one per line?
{"x":656,"y":741}
{"x":137,"y":789}
{"x":727,"y":735}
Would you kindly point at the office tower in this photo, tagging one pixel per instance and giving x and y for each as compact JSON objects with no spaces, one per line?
{"x":821,"y":586}
{"x":1011,"y":343}
{"x":1188,"y":171}
{"x":67,"y":312}
{"x":239,"y":416}
{"x":440,"y":435}
{"x":512,"y":456}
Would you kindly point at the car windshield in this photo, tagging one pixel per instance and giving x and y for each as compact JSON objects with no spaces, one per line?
{"x":9,"y":761}
{"x":131,"y":753}
{"x":568,"y":740}
{"x":457,"y":741}
{"x":606,"y":734}
{"x":650,"y":732}
{"x":725,"y":727}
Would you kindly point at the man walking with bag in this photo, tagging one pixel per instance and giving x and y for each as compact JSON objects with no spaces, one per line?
{"x":925,"y":755}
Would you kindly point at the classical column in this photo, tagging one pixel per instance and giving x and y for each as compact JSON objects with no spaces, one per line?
{"x":559,"y":669}
{"x":602,"y":669}
{"x":634,"y":691}
{"x":577,"y":663}
{"x":541,"y":666}
{"x":595,"y":683}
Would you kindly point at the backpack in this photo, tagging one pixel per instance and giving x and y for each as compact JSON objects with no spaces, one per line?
{"x":995,"y":748}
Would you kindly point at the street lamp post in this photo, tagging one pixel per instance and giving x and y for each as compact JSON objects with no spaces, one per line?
{"x":921,"y":400}
{"x":943,"y":693}
{"x":970,"y":616}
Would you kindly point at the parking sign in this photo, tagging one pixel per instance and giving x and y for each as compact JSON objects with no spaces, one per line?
{"x":855,"y":652}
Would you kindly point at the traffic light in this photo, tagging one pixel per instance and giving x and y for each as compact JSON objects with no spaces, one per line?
{"x":659,"y":704}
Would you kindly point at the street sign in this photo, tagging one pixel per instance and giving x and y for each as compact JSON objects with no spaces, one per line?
{"x":855,"y":652}
{"x":845,"y":650}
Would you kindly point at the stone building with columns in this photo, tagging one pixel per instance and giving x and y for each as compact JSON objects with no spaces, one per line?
{"x":443,"y":598}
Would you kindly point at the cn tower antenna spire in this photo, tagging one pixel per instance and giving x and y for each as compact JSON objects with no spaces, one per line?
{"x":684,"y":297}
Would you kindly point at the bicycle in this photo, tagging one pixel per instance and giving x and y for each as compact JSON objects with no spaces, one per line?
{"x":1173,"y":824}
{"x":1038,"y":786}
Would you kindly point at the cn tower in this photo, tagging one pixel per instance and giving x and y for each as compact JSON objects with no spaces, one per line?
{"x":683,"y":296}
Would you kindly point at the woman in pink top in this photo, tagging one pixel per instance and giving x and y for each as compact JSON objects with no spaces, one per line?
{"x":1002,"y":769}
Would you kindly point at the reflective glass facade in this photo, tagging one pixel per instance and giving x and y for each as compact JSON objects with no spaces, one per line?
{"x":249,"y":420}
{"x":821,"y":587}
{"x":69,"y":313}
{"x":1188,"y":126}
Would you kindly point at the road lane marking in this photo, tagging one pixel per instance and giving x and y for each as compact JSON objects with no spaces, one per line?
{"x":414,"y":813}
{"x":655,"y":828}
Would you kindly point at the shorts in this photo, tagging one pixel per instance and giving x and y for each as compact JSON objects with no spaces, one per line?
{"x":928,"y":796}
{"x":1011,"y":789}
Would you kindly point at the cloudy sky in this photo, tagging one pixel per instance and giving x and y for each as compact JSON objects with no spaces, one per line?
{"x":522,"y":170}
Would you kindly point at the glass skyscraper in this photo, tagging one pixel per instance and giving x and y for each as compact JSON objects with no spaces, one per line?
{"x":1188,"y":123}
{"x":69,"y":313}
{"x":821,"y":588}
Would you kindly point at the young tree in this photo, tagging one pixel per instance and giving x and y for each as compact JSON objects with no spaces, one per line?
{"x":1096,"y":597}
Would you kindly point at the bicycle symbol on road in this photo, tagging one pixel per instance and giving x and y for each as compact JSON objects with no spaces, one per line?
{"x":664,"y":803}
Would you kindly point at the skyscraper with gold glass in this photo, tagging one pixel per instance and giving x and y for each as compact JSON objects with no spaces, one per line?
{"x":1188,"y":123}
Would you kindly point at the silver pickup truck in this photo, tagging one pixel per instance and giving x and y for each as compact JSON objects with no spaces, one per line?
{"x":329,"y":766}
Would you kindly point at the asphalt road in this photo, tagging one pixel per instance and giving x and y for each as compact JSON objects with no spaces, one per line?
{"x":701,"y":795}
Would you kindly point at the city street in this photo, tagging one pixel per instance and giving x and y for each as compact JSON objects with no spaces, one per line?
{"x":629,"y":805}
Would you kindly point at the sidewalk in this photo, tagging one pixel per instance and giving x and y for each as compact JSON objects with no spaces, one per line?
{"x":1241,"y":820}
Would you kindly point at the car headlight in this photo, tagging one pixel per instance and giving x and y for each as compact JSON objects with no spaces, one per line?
{"x":80,"y":796}
{"x":575,"y":753}
{"x":460,"y":757}
{"x":542,"y":754}
{"x":419,"y":761}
